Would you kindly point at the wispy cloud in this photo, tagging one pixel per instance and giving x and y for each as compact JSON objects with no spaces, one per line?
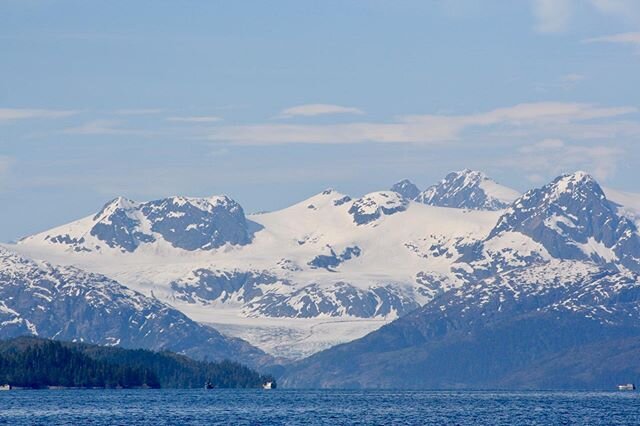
{"x":310,"y":110}
{"x":554,"y":16}
{"x":139,"y":111}
{"x":550,"y":157}
{"x":572,"y":77}
{"x":570,"y":80}
{"x":419,"y":128}
{"x":625,"y":38}
{"x":196,"y":119}
{"x":628,"y":10}
{"x":10,"y":114}
{"x":105,"y":127}
{"x":551,"y":16}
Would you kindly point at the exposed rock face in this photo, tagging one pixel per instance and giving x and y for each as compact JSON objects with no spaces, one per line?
{"x":551,"y":326}
{"x":69,"y":304}
{"x":468,"y":189}
{"x":340,"y":260}
{"x":183,"y":222}
{"x":372,"y":206}
{"x":193,"y":224}
{"x":260,"y":293}
{"x":406,"y":188}
{"x":572,"y":219}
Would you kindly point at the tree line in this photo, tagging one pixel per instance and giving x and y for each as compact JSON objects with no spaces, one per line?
{"x":40,"y":363}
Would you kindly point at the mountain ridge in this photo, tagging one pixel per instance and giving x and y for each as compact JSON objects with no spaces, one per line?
{"x":333,"y":268}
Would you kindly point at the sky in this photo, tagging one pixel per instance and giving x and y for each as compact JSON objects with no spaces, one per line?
{"x":272,"y":102}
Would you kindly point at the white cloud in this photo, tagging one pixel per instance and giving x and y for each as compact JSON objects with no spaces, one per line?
{"x":543,"y":145}
{"x":552,"y":16}
{"x":571,"y":79}
{"x":622,"y":9}
{"x":196,"y":119}
{"x":551,"y":157}
{"x":104,"y":127}
{"x":10,"y":114}
{"x":139,"y":111}
{"x":422,"y":128}
{"x":626,"y":38}
{"x":311,"y":110}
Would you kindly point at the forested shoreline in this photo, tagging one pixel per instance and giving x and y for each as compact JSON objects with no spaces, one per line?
{"x":28,"y":362}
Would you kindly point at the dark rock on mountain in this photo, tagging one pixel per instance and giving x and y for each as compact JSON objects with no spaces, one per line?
{"x":539,"y":328}
{"x":406,"y":188}
{"x":203,"y":224}
{"x":65,"y":303}
{"x":204,"y":285}
{"x":117,"y":227}
{"x":258,"y":291}
{"x":335,"y":301}
{"x":468,"y":189}
{"x":333,"y":259}
{"x":372,"y":206}
{"x":572,"y":219}
{"x":183,"y":222}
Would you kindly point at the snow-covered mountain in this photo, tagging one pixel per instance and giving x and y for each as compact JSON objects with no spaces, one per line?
{"x":468,"y":189}
{"x":563,"y":324}
{"x":340,"y":266}
{"x":406,"y":188}
{"x":331,"y":268}
{"x":37,"y":298}
{"x":570,"y":218}
{"x":180,"y":222}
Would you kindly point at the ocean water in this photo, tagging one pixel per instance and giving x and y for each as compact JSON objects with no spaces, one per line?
{"x":315,"y":407}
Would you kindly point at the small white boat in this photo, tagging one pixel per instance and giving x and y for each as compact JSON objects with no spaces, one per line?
{"x":5,"y":387}
{"x":268,"y":385}
{"x":627,"y":387}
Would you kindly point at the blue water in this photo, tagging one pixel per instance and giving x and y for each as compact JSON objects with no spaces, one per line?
{"x":315,"y":407}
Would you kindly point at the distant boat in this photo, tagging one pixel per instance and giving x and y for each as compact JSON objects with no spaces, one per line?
{"x":269,"y":385}
{"x":208,"y":385}
{"x":627,"y":387}
{"x":5,"y":387}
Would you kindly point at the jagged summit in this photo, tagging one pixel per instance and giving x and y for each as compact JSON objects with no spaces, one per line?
{"x":376,"y":204}
{"x":187,"y":223}
{"x":406,"y":188}
{"x":572,"y":218}
{"x":468,"y":189}
{"x":332,"y":257}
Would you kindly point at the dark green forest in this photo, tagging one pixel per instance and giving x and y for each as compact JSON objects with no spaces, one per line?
{"x":40,"y":363}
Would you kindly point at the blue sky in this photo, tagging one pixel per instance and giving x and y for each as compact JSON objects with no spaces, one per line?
{"x":271,"y":102}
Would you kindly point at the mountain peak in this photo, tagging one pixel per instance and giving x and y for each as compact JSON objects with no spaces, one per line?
{"x":372,"y":206}
{"x":572,"y":218}
{"x":206,"y":204}
{"x":118,"y":203}
{"x":406,"y":188}
{"x":187,"y":223}
{"x":575,"y":180}
{"x":468,"y":189}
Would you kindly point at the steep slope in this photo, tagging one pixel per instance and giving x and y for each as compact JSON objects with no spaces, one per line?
{"x":331,"y":269}
{"x":548,"y":326}
{"x":37,"y":298}
{"x":177,"y":222}
{"x":340,"y":267}
{"x":626,"y":203}
{"x":572,"y":219}
{"x":468,"y":189}
{"x":406,"y":188}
